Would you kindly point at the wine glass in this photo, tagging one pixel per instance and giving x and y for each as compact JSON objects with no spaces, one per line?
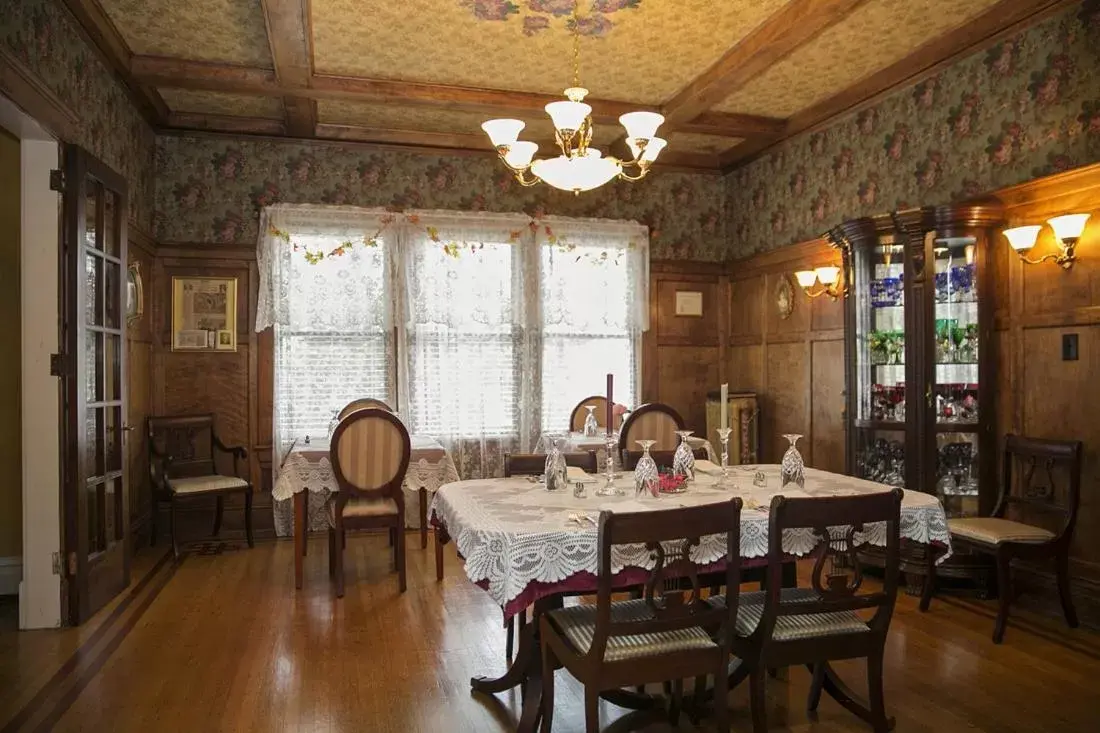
{"x":591,"y":424}
{"x":683,"y":460}
{"x":646,"y":477}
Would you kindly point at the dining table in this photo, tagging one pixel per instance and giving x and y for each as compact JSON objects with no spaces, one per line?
{"x":527,"y":547}
{"x":306,"y":477}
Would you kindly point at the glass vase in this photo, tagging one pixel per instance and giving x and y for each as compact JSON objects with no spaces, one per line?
{"x":555,"y":471}
{"x":683,"y":460}
{"x":591,"y":425}
{"x":792,"y":469}
{"x":646,"y":477}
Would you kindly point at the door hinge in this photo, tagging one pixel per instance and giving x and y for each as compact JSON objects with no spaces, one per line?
{"x":57,"y":365}
{"x":57,"y":180}
{"x":72,"y":564}
{"x":56,"y":563}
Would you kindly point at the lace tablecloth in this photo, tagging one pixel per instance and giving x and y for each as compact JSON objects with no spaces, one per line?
{"x":520,"y":544}
{"x":307,"y":468}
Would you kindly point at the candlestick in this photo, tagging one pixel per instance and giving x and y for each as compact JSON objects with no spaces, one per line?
{"x":610,"y":405}
{"x":609,"y":488}
{"x":724,"y":436}
{"x":725,"y":405}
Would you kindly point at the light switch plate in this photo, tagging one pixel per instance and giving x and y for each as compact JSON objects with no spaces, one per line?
{"x":1069,"y":347}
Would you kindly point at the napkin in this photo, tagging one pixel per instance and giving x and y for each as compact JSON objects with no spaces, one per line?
{"x":707,"y":467}
{"x":575,"y":473}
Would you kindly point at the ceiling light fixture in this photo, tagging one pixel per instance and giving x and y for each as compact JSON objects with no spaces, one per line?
{"x":579,"y":167}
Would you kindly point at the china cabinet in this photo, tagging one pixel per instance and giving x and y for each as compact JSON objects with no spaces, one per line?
{"x":920,"y":357}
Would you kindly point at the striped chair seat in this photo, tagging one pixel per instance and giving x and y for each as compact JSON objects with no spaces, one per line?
{"x":578,"y":624}
{"x":789,"y":628}
{"x":364,"y":508}
{"x":203,"y":484}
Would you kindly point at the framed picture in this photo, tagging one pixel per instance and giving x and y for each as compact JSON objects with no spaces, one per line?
{"x":784,"y":297}
{"x":204,"y":314}
{"x":689,"y":303}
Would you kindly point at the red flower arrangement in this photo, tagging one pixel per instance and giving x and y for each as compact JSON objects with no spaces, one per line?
{"x":671,"y":483}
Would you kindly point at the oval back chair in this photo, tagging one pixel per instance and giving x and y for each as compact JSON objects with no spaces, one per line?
{"x":370,"y":454}
{"x":360,"y":403}
{"x":651,"y":421}
{"x":576,"y":418}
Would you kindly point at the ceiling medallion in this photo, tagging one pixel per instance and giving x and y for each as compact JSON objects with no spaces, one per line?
{"x":579,"y":167}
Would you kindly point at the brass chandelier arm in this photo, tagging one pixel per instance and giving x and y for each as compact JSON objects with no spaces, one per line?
{"x":642,"y":171}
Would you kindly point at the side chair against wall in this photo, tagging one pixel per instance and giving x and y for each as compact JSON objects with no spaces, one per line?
{"x":671,"y":633}
{"x":778,"y":627}
{"x":1032,"y":472}
{"x":370,"y":454}
{"x":360,"y":404}
{"x":652,"y":421}
{"x":182,"y":451}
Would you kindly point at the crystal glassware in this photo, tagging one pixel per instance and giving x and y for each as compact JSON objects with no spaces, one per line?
{"x":611,"y":446}
{"x":683,"y":460}
{"x":591,"y":425}
{"x":555,"y":470}
{"x":724,"y":438}
{"x":646,"y":477}
{"x":791,"y":470}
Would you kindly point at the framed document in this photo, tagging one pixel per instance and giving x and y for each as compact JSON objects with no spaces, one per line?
{"x":689,"y":303}
{"x":204,"y":314}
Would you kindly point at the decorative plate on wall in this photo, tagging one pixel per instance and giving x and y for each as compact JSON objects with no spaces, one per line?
{"x":784,"y":296}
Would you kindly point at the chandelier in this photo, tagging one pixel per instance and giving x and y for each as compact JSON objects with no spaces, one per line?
{"x":579,"y":167}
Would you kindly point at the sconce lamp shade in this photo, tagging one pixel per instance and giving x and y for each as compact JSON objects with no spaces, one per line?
{"x":503,"y":132}
{"x":828,"y":275}
{"x":806,"y":278}
{"x":1022,"y":238}
{"x":1068,"y":226}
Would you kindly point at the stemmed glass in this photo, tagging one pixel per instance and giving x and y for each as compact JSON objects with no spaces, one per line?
{"x":724,"y":437}
{"x":611,"y":445}
{"x":591,"y":425}
{"x":646,"y":478}
{"x":683,"y":460}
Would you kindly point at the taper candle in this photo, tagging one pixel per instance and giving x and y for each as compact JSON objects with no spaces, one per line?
{"x":725,"y":405}
{"x":610,"y":405}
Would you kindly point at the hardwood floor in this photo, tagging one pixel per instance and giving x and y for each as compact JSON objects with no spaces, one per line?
{"x":224,"y":643}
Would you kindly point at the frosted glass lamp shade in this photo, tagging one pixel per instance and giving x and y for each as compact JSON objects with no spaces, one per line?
{"x":503,"y":131}
{"x":1069,"y":226}
{"x":806,"y":278}
{"x":568,"y":115}
{"x":641,"y":124}
{"x":577,"y":174}
{"x":652,"y":149}
{"x":1022,"y":239}
{"x":828,"y":275}
{"x":520,"y":153}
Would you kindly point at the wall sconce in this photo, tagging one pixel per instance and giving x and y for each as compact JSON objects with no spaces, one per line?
{"x":1067,"y":230}
{"x":829,"y":277}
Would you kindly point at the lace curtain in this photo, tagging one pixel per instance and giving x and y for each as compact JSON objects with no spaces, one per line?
{"x":495,"y":345}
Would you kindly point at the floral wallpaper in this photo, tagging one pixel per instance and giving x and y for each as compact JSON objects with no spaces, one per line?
{"x":45,"y":38}
{"x":1027,"y":107}
{"x":212,"y":189}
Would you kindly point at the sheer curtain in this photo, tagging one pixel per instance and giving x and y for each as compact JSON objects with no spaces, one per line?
{"x":332,"y":320}
{"x":467,"y":360}
{"x":593,"y":288}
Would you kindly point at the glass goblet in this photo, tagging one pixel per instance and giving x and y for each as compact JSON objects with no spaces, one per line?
{"x":646,"y":476}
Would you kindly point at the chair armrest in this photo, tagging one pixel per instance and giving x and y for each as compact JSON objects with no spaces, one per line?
{"x":158,"y":467}
{"x":238,"y":452}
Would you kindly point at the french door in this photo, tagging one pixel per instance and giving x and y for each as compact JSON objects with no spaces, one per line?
{"x":95,"y":506}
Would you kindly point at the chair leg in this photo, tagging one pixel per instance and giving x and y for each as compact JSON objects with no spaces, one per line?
{"x":877,"y":702}
{"x":331,"y":552}
{"x":721,"y":701}
{"x":248,"y":518}
{"x":676,"y":702}
{"x":816,"y":685}
{"x":423,"y":517}
{"x":1004,"y":591}
{"x":219,"y":510}
{"x":548,"y":664}
{"x":757,"y":700}
{"x":153,"y":524}
{"x":399,"y":556}
{"x":509,"y":628}
{"x":172,"y":528}
{"x":591,"y":710}
{"x":929,"y":587}
{"x":1063,"y":588}
{"x":339,"y":557}
{"x":438,"y":555}
{"x":392,"y":537}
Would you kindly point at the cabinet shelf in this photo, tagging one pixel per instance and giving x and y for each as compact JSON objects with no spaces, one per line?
{"x":957,"y":427}
{"x":879,"y":424}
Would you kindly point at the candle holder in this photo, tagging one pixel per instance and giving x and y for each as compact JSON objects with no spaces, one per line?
{"x":724,"y":477}
{"x":609,"y":488}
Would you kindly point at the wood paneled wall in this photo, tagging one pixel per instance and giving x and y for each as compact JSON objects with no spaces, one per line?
{"x":795,"y":364}
{"x":139,"y":355}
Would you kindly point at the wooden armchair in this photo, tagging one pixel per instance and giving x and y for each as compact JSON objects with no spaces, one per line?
{"x":652,"y":421}
{"x":1015,"y":529}
{"x":370,"y":455}
{"x":360,"y":403}
{"x":182,"y":464}
{"x":671,"y":633}
{"x":778,"y":627}
{"x":579,"y":413}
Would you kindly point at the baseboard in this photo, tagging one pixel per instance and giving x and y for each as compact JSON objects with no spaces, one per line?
{"x":11,"y":575}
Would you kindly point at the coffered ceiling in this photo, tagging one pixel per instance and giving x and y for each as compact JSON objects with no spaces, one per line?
{"x":731,"y":77}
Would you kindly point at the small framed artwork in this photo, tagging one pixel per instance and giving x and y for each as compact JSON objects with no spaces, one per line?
{"x":784,"y":297}
{"x":135,"y":293}
{"x":204,"y":314}
{"x":689,"y":303}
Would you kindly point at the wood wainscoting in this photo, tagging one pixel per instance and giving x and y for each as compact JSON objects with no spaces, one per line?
{"x":794,"y":363}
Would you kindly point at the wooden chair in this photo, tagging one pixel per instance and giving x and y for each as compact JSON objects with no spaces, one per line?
{"x":182,"y":451}
{"x":663,"y":458}
{"x":370,"y":454}
{"x":533,"y":464}
{"x":360,"y":404}
{"x":651,"y":421}
{"x":669,"y":634}
{"x":778,"y":627}
{"x":1015,"y":530}
{"x":579,"y":413}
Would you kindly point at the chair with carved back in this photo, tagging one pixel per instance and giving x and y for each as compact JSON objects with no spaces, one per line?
{"x":579,"y":413}
{"x":183,"y":453}
{"x":671,"y":633}
{"x":1032,"y":520}
{"x":652,"y":421}
{"x":359,"y":404}
{"x":778,"y":627}
{"x":370,"y":454}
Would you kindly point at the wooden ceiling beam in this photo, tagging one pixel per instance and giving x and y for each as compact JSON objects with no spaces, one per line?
{"x":1004,"y":19}
{"x":730,"y":124}
{"x":226,"y":123}
{"x":161,"y":71}
{"x":289,"y":34}
{"x":797,"y":23}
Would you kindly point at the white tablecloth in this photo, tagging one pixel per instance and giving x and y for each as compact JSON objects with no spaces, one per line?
{"x":512,"y":532}
{"x":307,"y":468}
